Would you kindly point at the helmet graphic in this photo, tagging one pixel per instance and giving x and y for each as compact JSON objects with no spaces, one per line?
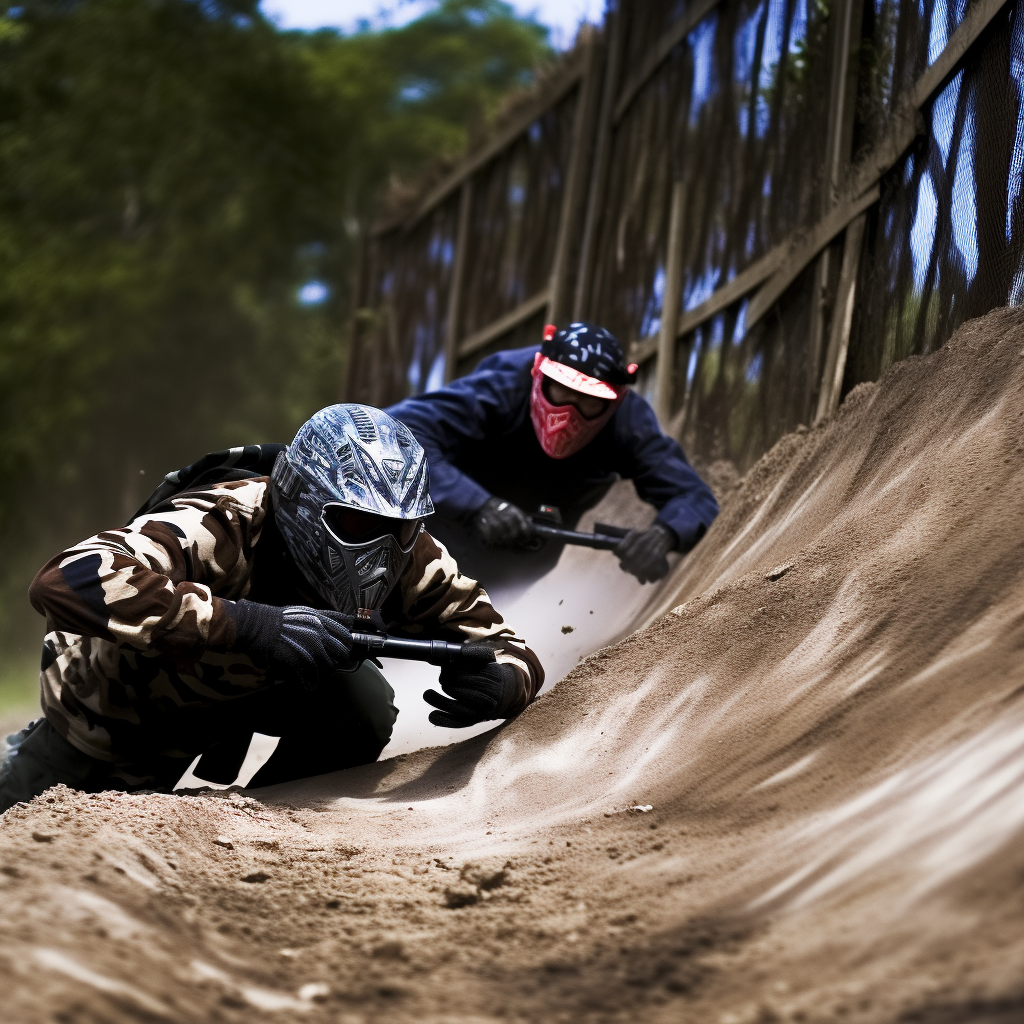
{"x":349,"y":495}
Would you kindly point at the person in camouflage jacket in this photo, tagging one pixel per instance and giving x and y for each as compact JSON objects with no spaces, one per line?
{"x":193,"y":626}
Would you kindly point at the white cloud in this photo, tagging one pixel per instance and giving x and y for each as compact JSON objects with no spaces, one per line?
{"x":561,"y":16}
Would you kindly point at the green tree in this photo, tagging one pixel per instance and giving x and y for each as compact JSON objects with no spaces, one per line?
{"x":412,"y":94}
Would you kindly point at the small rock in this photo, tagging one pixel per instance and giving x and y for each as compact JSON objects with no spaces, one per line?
{"x":484,"y":876}
{"x":568,"y":629}
{"x":393,"y":950}
{"x":225,"y":842}
{"x":642,"y":808}
{"x":778,"y":572}
{"x":256,"y":876}
{"x":42,"y":837}
{"x":461,"y":895}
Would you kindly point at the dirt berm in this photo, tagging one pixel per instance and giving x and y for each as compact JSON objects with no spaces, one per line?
{"x":798,"y":795}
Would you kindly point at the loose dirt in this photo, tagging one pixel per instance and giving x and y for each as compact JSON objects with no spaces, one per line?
{"x":796,"y":795}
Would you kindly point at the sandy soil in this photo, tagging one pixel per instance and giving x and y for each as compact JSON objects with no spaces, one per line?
{"x":796,"y":795}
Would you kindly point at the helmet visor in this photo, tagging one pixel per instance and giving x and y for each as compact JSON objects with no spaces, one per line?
{"x":577,"y":381}
{"x":355,"y":526}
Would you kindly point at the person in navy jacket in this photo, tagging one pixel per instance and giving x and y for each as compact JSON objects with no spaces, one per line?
{"x":555,"y":427}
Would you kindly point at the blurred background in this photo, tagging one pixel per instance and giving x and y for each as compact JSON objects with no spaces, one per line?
{"x":183,"y":187}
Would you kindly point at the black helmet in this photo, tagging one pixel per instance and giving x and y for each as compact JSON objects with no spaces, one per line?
{"x":588,"y":349}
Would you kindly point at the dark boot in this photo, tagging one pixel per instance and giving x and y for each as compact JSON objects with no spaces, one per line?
{"x":39,"y":757}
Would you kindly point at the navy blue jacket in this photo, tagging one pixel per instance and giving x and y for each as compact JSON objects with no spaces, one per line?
{"x":480,"y":442}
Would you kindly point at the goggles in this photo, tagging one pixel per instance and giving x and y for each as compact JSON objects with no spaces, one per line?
{"x":354,"y":526}
{"x":558,"y":394}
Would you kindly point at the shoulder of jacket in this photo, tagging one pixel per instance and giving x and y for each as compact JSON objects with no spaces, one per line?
{"x":635,"y":420}
{"x":249,"y":497}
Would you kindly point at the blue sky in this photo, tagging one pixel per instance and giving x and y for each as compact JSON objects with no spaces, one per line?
{"x":561,"y":16}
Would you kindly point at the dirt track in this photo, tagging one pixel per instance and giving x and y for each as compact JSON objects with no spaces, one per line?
{"x":829,"y":727}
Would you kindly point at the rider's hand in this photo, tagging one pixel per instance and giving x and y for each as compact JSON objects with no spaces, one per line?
{"x":295,"y":642}
{"x":476,"y":693}
{"x":500,"y":524}
{"x":642,"y":552}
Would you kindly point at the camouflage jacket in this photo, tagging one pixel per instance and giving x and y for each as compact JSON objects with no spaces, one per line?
{"x":138,"y":649}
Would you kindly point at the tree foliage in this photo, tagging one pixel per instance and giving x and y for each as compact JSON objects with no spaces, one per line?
{"x":173,"y":171}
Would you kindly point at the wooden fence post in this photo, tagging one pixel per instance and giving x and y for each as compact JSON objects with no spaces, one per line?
{"x":842,"y":322}
{"x":838,"y":144}
{"x":576,"y":178}
{"x":664,"y":371}
{"x":451,"y":345}
{"x":602,"y":155}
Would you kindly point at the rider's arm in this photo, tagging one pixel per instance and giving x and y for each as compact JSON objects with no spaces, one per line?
{"x":462,"y":415}
{"x":150,"y":585}
{"x":436,"y":599}
{"x":661,"y":474}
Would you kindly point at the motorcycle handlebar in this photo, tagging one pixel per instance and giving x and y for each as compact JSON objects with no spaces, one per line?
{"x":434,"y":652}
{"x":601,"y":541}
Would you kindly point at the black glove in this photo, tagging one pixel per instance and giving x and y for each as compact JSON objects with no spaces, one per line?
{"x":500,"y":524}
{"x":642,"y":552}
{"x":295,"y":642}
{"x":478,"y":694}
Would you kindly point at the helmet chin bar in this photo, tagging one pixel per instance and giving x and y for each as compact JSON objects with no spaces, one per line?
{"x":362,"y":575}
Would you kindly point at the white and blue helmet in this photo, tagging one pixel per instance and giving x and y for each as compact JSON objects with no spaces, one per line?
{"x":350,"y":493}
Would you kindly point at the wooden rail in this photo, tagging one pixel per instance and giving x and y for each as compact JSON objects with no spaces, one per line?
{"x":556,"y":89}
{"x":494,"y":330}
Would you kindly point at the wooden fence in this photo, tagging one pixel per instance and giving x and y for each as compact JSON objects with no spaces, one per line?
{"x":768,"y":201}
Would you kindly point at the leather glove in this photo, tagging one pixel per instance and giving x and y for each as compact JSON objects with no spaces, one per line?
{"x":642,"y":552}
{"x":475,"y":694}
{"x":295,"y":642}
{"x":500,"y":524}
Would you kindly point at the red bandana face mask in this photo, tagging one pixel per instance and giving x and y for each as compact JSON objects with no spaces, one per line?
{"x":563,"y":430}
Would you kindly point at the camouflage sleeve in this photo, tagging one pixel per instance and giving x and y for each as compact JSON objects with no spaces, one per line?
{"x":151,"y":584}
{"x":437,"y":598}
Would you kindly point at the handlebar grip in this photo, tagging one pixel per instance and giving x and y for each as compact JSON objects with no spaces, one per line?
{"x":477,"y":652}
{"x":434,"y":652}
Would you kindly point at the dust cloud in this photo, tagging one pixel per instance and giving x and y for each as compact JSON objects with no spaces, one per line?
{"x":584,"y":603}
{"x":794,"y":794}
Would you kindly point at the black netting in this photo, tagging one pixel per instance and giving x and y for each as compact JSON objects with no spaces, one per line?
{"x":404,"y":309}
{"x":738,"y":113}
{"x":738,"y":390}
{"x":946,"y":241}
{"x":899,"y":40}
{"x":402,"y":339}
{"x":517,"y":200}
